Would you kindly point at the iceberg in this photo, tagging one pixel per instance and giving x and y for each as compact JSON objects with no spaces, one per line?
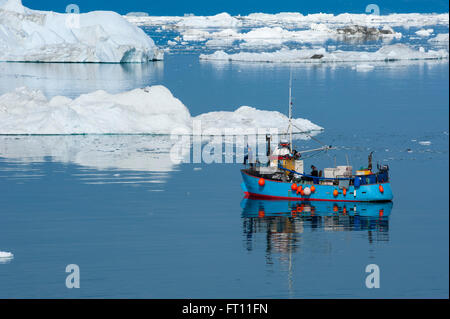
{"x":247,"y":117}
{"x":98,"y":36}
{"x":150,"y":110}
{"x":395,"y":52}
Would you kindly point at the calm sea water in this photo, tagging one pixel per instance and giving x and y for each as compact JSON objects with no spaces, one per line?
{"x":139,"y":226}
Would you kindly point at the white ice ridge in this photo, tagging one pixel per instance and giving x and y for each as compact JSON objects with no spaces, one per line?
{"x":151,"y":110}
{"x":98,"y":36}
{"x":393,"y":52}
{"x":294,"y":19}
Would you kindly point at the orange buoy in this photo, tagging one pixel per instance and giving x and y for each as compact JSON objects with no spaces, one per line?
{"x":381,"y":212}
{"x":335,"y":208}
{"x":299,"y":189}
{"x":313,"y":189}
{"x":381,"y":188}
{"x":344,"y":191}
{"x":294,"y":187}
{"x":344,"y":210}
{"x":261,"y":214}
{"x":335,"y":192}
{"x":261,"y":182}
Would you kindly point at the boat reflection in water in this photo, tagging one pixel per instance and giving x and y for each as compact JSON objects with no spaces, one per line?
{"x":284,"y":222}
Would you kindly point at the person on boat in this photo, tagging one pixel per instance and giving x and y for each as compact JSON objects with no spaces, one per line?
{"x":314,"y":171}
{"x":282,"y":151}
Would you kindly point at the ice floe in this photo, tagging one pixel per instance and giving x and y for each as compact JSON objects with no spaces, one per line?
{"x":424,"y":32}
{"x":43,"y":36}
{"x":150,"y":110}
{"x":269,"y":36}
{"x":442,"y":37}
{"x":5,"y":257}
{"x":220,"y":20}
{"x":393,"y":52}
{"x":296,"y":20}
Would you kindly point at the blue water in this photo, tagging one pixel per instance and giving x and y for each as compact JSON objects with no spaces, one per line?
{"x":140,"y":227}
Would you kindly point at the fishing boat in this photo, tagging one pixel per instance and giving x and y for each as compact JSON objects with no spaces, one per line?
{"x":283,"y":176}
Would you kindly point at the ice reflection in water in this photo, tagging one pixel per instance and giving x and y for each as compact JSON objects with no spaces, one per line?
{"x":105,"y":159}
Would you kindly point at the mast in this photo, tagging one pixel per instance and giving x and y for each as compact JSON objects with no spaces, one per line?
{"x":290,"y":110}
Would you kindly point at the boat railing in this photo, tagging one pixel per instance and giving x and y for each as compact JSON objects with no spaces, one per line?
{"x":378,"y":177}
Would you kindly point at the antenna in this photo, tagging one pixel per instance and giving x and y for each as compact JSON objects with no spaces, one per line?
{"x":290,"y":109}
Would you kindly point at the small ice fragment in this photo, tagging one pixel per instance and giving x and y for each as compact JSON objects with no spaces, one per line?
{"x":424,"y":32}
{"x":425,"y":143}
{"x":197,"y":168}
{"x":5,"y":256}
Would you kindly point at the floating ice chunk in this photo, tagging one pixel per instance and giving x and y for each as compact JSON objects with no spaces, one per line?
{"x":425,"y":143}
{"x":441,"y":37}
{"x":269,"y":36}
{"x":246,"y":117}
{"x":99,"y":36}
{"x":218,"y":21}
{"x":386,"y":53}
{"x":424,"y":32}
{"x":151,"y":110}
{"x":5,"y":257}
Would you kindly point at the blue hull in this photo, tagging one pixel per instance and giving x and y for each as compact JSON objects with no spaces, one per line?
{"x":282,"y":191}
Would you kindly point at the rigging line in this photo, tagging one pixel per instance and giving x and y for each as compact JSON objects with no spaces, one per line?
{"x":310,"y":136}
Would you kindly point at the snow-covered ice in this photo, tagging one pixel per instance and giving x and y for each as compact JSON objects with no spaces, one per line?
{"x":440,"y":38}
{"x":393,"y":52}
{"x":98,"y":36}
{"x":424,"y":32}
{"x":250,"y":117}
{"x":220,"y":20}
{"x":150,"y":110}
